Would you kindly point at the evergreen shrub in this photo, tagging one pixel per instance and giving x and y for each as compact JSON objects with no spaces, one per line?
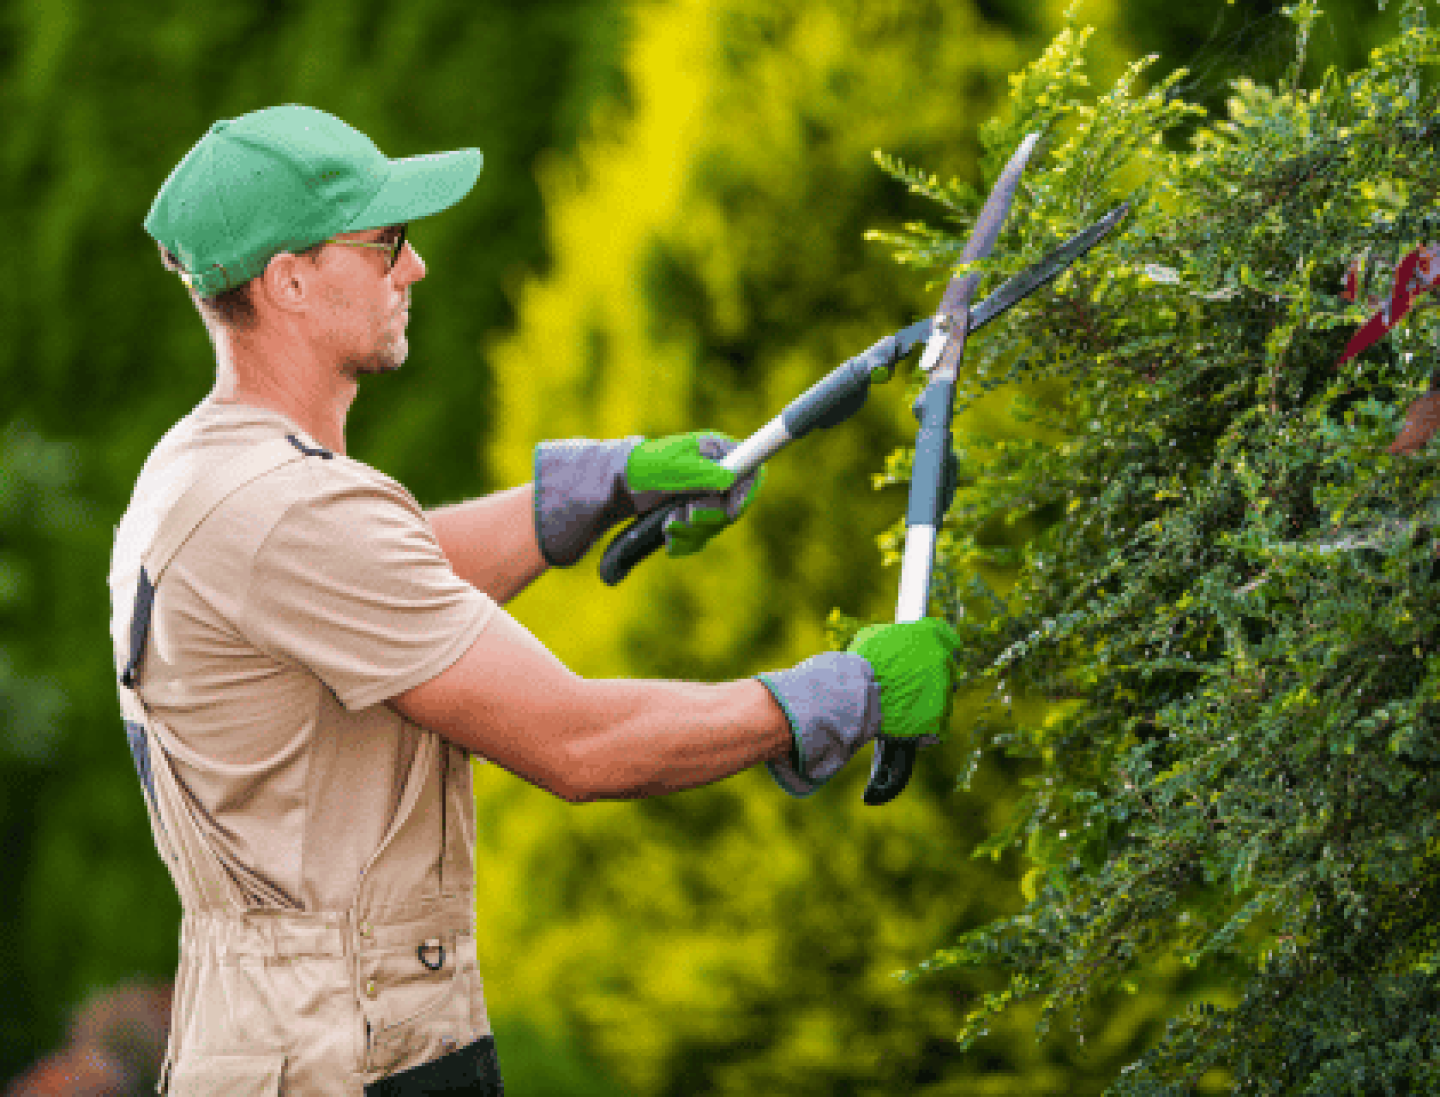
{"x":1231,"y":587}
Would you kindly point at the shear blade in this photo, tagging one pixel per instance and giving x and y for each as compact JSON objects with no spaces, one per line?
{"x":1022,"y":285}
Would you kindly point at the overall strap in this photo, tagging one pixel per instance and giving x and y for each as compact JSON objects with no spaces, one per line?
{"x":184,"y":518}
{"x":199,"y":877}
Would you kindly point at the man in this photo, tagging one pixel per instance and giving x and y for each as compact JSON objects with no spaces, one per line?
{"x":308,"y":660}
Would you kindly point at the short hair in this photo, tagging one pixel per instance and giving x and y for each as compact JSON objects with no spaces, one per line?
{"x":233,"y":308}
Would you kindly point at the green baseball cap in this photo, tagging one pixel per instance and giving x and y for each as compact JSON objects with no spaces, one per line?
{"x":286,"y":178}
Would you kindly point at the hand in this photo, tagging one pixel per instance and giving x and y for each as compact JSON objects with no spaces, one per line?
{"x":659,"y":469}
{"x":894,"y":680}
{"x":915,"y":665}
{"x":583,"y":487}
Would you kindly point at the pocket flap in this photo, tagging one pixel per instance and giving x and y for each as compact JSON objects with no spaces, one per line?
{"x":204,"y":1075}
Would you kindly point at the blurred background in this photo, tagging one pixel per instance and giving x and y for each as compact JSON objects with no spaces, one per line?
{"x":668,"y":234}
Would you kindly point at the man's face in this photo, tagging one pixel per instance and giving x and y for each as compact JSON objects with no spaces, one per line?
{"x":365,"y":303}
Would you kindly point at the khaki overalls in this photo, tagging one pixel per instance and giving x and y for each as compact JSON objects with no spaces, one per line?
{"x":272,"y":1001}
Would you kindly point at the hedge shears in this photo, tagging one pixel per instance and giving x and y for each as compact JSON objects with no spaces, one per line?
{"x":842,"y":393}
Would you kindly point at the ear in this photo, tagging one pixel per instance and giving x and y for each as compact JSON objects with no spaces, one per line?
{"x":287,"y":282}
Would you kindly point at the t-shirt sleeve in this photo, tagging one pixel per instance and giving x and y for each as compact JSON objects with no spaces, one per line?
{"x":351,"y":583}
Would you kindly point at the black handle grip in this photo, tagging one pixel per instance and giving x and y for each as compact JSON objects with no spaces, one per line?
{"x":633,"y":543}
{"x":890,"y":769}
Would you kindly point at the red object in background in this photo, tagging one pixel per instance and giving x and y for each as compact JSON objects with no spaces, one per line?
{"x":1421,"y":420}
{"x":116,"y":1044}
{"x":75,"y":1072}
{"x":1419,"y":271}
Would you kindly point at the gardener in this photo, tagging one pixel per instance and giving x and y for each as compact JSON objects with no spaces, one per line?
{"x":308,"y":660}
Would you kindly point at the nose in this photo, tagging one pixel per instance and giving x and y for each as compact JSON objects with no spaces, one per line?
{"x":410,"y":268}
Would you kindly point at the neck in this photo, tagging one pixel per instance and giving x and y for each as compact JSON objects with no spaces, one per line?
{"x":271,"y":373}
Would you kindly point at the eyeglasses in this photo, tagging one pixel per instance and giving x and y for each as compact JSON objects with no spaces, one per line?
{"x":394,"y":247}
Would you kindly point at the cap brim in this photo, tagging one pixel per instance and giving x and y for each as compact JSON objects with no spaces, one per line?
{"x":419,"y":186}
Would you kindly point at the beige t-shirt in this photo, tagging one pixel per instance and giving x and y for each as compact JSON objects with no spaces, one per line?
{"x":298,"y":607}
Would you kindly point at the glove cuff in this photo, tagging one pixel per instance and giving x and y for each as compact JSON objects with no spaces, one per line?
{"x":833,"y":704}
{"x":580,"y":493}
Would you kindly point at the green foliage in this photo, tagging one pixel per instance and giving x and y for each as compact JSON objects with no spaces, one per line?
{"x":1228,"y":586}
{"x":37,"y":509}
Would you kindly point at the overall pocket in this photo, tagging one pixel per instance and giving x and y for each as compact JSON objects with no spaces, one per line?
{"x":204,"y":1075}
{"x":425,"y":1014}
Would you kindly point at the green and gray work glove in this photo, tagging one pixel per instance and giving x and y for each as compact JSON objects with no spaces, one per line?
{"x":893,"y":680}
{"x":584,"y":487}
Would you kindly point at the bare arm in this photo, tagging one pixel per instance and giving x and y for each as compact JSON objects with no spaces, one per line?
{"x":510,"y":700}
{"x":490,"y":542}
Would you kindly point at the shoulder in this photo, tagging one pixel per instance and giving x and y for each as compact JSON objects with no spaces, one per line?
{"x":335,"y":497}
{"x":334,"y":523}
{"x":350,"y":582}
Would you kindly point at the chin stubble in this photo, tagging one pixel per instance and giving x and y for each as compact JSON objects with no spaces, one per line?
{"x":371,"y":365}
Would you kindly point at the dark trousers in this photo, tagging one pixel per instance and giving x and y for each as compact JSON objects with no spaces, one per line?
{"x":474,"y":1069}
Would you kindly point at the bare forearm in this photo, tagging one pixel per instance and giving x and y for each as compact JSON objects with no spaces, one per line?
{"x":490,"y":542}
{"x":510,"y":700}
{"x":660,"y":737}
